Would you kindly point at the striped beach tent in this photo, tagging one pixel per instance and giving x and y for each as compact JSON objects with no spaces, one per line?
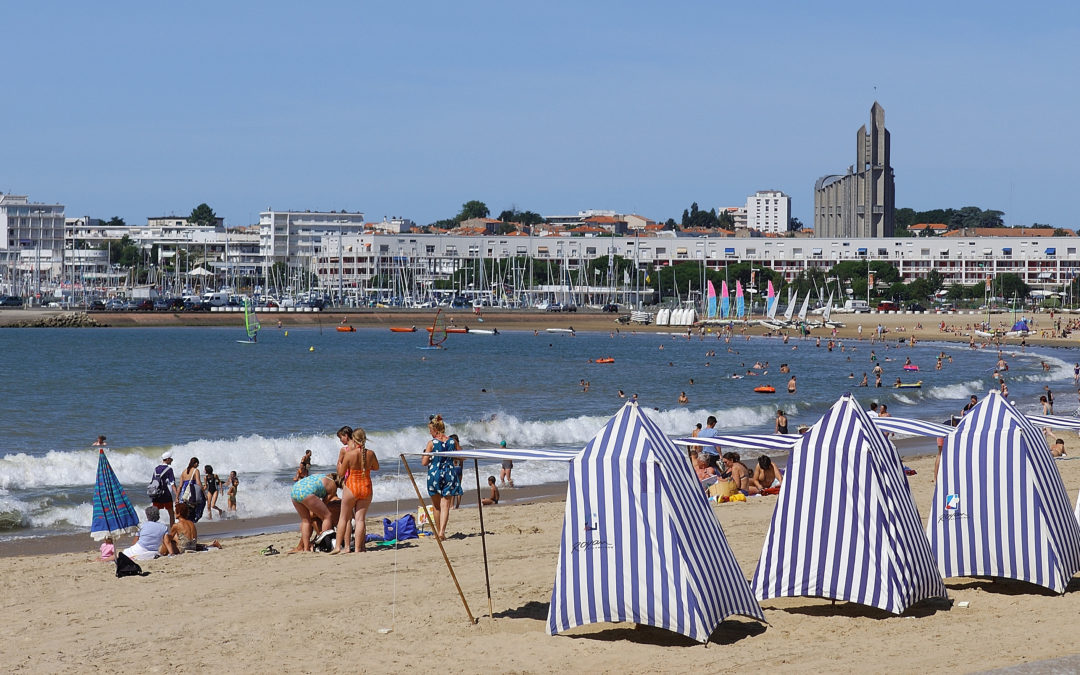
{"x":640,"y":542}
{"x":1000,"y":507}
{"x":845,"y":526}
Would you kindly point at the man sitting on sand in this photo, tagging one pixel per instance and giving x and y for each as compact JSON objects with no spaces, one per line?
{"x":766,"y":475}
{"x":1058,"y":448}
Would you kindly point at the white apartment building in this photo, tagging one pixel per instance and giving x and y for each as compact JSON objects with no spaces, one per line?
{"x":296,"y":237}
{"x":1046,"y":263}
{"x":768,"y":211}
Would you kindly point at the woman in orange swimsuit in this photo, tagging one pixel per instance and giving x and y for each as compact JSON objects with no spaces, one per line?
{"x":356,"y":465}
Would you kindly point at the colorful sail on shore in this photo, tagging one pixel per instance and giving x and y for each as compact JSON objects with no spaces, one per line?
{"x":770,"y":302}
{"x":710,"y":310}
{"x":740,"y":303}
{"x":725,"y":303}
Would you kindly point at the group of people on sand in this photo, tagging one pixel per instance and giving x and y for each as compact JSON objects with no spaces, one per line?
{"x":198,"y":489}
{"x":155,"y":539}
{"x":315,"y":496}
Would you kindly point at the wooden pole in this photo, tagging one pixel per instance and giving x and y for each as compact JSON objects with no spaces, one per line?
{"x":483,"y":537}
{"x":446,"y":558}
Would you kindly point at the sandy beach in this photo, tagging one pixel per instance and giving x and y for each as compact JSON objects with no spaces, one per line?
{"x":239,"y":611}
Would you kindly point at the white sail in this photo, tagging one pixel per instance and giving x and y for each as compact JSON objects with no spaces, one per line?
{"x":828,"y":311}
{"x":772,"y":308}
{"x":802,"y":310}
{"x":790,"y":310}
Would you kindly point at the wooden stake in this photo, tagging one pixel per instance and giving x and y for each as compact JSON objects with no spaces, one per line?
{"x":446,"y":558}
{"x":483,"y":537}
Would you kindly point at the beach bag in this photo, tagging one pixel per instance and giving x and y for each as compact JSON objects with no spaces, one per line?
{"x":722,"y":488}
{"x":126,"y":567}
{"x":400,"y":529}
{"x":157,"y":491}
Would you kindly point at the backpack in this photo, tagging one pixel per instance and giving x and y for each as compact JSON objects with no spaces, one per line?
{"x":126,"y":567}
{"x":157,"y":490}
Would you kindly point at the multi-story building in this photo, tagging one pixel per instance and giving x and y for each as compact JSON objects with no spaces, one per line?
{"x":1045,"y":263}
{"x":296,"y":237}
{"x":31,"y":243}
{"x":859,"y":203}
{"x":768,"y":211}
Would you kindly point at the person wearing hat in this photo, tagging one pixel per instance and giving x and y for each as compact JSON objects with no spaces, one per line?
{"x":168,"y":478}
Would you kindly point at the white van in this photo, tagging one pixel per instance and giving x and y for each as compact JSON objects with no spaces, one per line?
{"x":857,"y":306}
{"x":219,"y":299}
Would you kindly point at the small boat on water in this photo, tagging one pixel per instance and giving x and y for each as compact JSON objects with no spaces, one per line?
{"x":450,"y":330}
{"x":911,"y":366}
{"x":606,"y":359}
{"x":346,"y":329}
{"x":402,"y":329}
{"x":559,"y":330}
{"x":765,"y":389}
{"x":908,"y":385}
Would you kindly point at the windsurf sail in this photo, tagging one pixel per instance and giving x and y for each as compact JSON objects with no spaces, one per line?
{"x":725,"y":303}
{"x":710,"y":310}
{"x":770,"y":303}
{"x":827,"y":314}
{"x":251,"y":322}
{"x":740,"y":303}
{"x":437,"y":336}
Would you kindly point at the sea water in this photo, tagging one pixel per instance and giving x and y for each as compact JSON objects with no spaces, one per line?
{"x":255,"y":409}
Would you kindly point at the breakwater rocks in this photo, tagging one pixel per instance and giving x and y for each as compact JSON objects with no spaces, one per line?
{"x":66,"y":320}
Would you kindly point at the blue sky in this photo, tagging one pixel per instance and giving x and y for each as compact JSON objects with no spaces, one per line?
{"x":410,"y":109}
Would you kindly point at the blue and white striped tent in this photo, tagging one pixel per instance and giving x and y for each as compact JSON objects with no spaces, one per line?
{"x":640,"y":542}
{"x":845,"y":526}
{"x":1000,"y":508}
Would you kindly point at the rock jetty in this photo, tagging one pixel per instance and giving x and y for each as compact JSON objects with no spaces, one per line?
{"x":65,"y":320}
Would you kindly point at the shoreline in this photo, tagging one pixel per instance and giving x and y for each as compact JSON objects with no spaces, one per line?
{"x":899,"y":326}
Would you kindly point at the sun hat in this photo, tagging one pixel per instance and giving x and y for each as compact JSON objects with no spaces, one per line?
{"x":166,"y":455}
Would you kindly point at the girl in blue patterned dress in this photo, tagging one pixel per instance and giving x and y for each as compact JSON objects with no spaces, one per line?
{"x":443,"y":483}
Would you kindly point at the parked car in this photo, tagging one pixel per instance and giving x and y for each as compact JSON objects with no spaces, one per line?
{"x":611,"y":307}
{"x":146,"y":305}
{"x":554,"y":307}
{"x":97,"y":305}
{"x":887,"y":306}
{"x":916,"y":307}
{"x":569,"y":308}
{"x":115,"y":305}
{"x":10,"y":301}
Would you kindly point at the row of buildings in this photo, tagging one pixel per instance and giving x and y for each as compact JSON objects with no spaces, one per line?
{"x":343,"y":254}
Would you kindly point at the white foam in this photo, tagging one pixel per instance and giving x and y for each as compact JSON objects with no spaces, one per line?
{"x":958,"y":391}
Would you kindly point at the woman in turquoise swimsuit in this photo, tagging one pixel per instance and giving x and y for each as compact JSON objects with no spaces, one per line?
{"x":309,"y":496}
{"x":443,"y":483}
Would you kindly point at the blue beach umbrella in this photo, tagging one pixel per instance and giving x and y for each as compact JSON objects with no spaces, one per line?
{"x":113,"y":511}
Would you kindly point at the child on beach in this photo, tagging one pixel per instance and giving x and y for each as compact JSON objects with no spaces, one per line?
{"x":108,"y":550}
{"x":234,"y":482}
{"x":493,"y":498}
{"x":212,"y":483}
